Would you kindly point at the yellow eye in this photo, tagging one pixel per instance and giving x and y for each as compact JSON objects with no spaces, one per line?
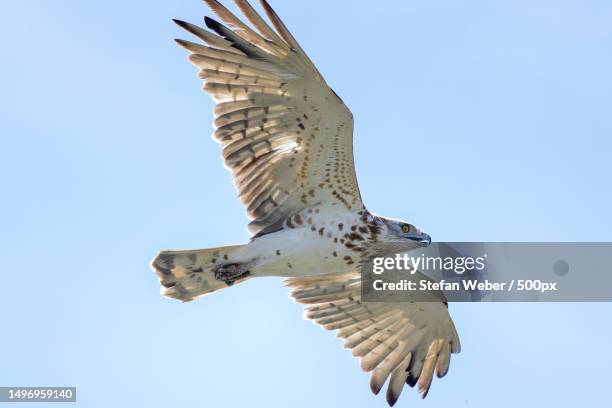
{"x":406,"y":228}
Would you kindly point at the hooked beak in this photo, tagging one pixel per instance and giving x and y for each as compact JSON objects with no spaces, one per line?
{"x":422,"y":238}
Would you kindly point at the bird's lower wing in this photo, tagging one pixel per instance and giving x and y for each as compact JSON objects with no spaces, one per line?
{"x":406,"y":341}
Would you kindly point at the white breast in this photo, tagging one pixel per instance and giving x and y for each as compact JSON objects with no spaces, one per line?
{"x":310,"y":249}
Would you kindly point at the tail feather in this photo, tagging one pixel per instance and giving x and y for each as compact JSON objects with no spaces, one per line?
{"x":186,"y":275}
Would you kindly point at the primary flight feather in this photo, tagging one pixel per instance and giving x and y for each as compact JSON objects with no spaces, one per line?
{"x":287,"y":139}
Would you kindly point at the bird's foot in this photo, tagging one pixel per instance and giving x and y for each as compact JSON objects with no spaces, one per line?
{"x":230,"y":273}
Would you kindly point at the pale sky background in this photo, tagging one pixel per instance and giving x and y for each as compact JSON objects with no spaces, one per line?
{"x":476,"y":120}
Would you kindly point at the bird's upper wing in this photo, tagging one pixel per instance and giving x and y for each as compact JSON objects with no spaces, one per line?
{"x":286,"y":136}
{"x":408,"y":341}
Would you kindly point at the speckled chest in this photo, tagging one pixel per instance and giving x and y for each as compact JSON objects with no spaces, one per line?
{"x":314,"y":241}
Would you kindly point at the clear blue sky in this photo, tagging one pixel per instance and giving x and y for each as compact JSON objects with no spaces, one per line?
{"x":476,"y":120}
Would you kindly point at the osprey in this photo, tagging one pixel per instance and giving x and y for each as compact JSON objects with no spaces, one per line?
{"x":286,"y":137}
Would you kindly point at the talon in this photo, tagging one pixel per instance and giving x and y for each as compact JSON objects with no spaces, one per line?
{"x":230,"y":273}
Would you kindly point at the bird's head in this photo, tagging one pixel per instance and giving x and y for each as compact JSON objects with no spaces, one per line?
{"x":404,"y":236}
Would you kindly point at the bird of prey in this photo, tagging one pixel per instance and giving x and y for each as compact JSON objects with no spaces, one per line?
{"x":286,"y":137}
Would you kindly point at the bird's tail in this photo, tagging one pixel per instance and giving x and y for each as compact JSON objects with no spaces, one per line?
{"x":186,"y":275}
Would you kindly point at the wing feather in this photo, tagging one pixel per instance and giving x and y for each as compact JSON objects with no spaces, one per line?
{"x":287,"y":36}
{"x":209,"y":38}
{"x":398,"y":378}
{"x":406,"y":341}
{"x":384,"y":368}
{"x":259,"y":22}
{"x":241,"y":29}
{"x":286,"y":136}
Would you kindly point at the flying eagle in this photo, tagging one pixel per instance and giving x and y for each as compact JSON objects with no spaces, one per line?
{"x":286,"y":137}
